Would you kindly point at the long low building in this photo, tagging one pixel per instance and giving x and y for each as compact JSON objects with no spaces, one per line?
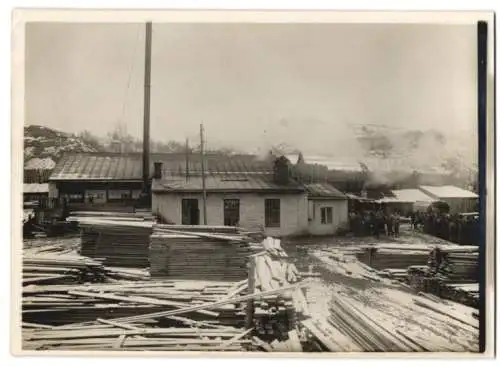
{"x":253,"y":201}
{"x":459,"y":200}
{"x":242,"y":190}
{"x":407,"y":200}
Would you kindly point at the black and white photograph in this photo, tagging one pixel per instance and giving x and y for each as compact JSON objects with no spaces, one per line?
{"x":280,"y":183}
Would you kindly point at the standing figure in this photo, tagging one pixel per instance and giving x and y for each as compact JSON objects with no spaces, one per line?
{"x":389,"y":224}
{"x":397,"y":220}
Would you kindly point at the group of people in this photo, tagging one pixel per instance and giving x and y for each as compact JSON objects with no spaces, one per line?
{"x":376,"y":223}
{"x":460,"y":229}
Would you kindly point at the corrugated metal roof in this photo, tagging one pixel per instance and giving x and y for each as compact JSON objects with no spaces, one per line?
{"x":224,"y":183}
{"x":324,"y":190}
{"x":35,"y":188}
{"x":411,"y":195}
{"x":107,"y":166}
{"x":448,"y":192}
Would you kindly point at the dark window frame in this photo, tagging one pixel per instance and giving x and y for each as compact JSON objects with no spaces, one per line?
{"x":185,"y":216}
{"x":231,"y":211}
{"x":272,"y":212}
{"x":326,"y":215}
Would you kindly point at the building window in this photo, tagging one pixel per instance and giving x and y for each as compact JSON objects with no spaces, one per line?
{"x":326,"y":215}
{"x":190,"y":212}
{"x":273,"y":212}
{"x":231,"y":212}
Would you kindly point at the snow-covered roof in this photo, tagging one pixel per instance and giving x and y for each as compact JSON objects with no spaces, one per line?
{"x":412,"y":195}
{"x":448,"y":192}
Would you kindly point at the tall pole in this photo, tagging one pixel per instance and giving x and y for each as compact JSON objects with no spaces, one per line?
{"x":203,"y":176}
{"x":147,"y":102}
{"x":187,"y":160}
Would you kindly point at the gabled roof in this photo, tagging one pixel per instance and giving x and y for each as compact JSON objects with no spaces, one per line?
{"x":324,"y":191}
{"x":448,"y":192}
{"x":225,"y":183}
{"x":114,"y":166}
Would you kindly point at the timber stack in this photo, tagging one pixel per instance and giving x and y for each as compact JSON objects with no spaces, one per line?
{"x":376,"y":320}
{"x":276,"y":317}
{"x":121,"y":239}
{"x":194,"y":254}
{"x":456,"y":263}
{"x":117,"y":308}
{"x":389,"y":256}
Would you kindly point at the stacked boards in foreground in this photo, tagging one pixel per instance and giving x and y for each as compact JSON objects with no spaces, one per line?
{"x":192,"y":255}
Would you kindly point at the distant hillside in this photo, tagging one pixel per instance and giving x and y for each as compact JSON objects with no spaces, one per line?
{"x":43,"y":142}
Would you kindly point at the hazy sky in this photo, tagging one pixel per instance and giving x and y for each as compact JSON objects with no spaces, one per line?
{"x":252,"y":84}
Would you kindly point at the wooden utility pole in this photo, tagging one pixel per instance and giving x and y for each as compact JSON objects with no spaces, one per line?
{"x":147,"y":102}
{"x":187,"y":160}
{"x":202,"y":152}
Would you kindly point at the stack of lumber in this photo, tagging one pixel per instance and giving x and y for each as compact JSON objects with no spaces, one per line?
{"x":120,"y":243}
{"x":389,"y":320}
{"x":151,"y":315}
{"x":59,"y":268}
{"x":394,"y":256}
{"x":463,"y":293}
{"x":460,"y":264}
{"x":192,"y":255}
{"x":275,"y":316}
{"x":84,"y":302}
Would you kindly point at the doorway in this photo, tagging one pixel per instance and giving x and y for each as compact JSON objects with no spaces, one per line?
{"x":190,"y":212}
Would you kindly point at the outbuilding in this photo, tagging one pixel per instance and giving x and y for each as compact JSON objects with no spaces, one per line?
{"x":327,"y":209}
{"x":458,"y":199}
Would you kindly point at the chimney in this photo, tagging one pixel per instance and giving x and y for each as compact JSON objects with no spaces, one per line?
{"x":157,"y":171}
{"x":281,"y":171}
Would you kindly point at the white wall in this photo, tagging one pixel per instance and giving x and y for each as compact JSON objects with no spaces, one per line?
{"x":339,"y":216}
{"x":252,"y":212}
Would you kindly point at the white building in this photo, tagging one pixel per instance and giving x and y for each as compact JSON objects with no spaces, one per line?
{"x":271,"y":201}
{"x":327,"y":209}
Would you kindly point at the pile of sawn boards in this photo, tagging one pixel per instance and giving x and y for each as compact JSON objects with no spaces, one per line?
{"x":456,"y":263}
{"x":275,"y":316}
{"x":394,"y":257}
{"x":126,"y":311}
{"x":182,"y":254}
{"x":119,"y":239}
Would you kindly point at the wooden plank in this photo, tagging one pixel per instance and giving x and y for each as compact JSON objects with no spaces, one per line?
{"x":215,"y":304}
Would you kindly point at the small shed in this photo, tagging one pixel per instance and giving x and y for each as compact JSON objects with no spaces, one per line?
{"x":407,"y":200}
{"x":327,"y":209}
{"x":459,"y":199}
